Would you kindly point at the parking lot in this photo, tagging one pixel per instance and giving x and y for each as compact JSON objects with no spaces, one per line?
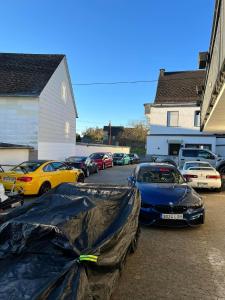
{"x":184,"y":263}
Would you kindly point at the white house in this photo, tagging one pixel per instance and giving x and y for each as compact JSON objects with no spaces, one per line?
{"x":174,"y":117}
{"x":37,"y":106}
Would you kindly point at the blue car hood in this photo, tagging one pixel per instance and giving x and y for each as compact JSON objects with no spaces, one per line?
{"x":163,"y":194}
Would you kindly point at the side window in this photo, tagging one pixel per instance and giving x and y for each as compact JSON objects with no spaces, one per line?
{"x":59,"y":166}
{"x":197,"y":118}
{"x":48,"y":168}
{"x":172,"y":118}
{"x":205,"y":154}
{"x":190,"y":153}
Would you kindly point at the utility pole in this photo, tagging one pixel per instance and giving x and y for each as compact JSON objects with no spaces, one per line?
{"x":110,"y":133}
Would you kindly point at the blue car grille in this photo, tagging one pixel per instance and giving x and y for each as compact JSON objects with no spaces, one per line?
{"x":165,"y":209}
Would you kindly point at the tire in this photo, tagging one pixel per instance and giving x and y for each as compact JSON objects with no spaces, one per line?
{"x":218,"y":190}
{"x":134,"y":243}
{"x":45,"y":187}
{"x":80,"y":178}
{"x":221,"y":170}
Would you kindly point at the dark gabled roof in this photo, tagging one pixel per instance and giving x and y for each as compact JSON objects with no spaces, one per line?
{"x":26,"y":74}
{"x":14,"y":146}
{"x":174,"y":87}
{"x":115,"y":130}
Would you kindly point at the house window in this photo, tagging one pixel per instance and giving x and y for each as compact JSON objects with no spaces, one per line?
{"x":63,"y":91}
{"x":197,"y":118}
{"x":172,"y":118}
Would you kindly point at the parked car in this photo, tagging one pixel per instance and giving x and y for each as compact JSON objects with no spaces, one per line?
{"x":202,"y":175}
{"x":72,"y":248}
{"x":166,"y":198}
{"x":103,"y":160}
{"x":134,"y":158}
{"x":39,"y":176}
{"x":85,"y":163}
{"x":193,"y":154}
{"x":121,"y":159}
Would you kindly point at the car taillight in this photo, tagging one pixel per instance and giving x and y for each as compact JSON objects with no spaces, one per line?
{"x":187,"y":176}
{"x":25,"y":179}
{"x":213,"y":177}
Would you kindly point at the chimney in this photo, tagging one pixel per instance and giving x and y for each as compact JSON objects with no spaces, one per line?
{"x":161,"y":72}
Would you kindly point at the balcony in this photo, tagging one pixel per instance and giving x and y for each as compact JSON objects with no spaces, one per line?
{"x":213,"y":104}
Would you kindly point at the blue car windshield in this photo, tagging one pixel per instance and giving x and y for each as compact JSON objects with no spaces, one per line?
{"x":159,"y":175}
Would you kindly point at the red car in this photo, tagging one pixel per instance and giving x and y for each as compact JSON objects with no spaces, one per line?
{"x":103,"y":160}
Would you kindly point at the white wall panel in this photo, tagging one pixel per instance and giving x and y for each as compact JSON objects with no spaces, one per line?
{"x":19,"y":120}
{"x":55,"y":151}
{"x":87,"y":149}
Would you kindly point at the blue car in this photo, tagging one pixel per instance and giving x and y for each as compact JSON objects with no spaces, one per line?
{"x":166,"y":197}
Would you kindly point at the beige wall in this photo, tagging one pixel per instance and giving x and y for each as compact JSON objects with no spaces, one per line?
{"x":13,"y":156}
{"x":87,"y":149}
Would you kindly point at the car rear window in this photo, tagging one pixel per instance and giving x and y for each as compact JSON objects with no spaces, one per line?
{"x":27,"y":167}
{"x":196,"y":165}
{"x":118,"y":155}
{"x":159,"y":175}
{"x":201,"y":169}
{"x":97,"y":156}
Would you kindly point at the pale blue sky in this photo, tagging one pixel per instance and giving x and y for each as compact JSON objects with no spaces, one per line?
{"x":110,"y":40}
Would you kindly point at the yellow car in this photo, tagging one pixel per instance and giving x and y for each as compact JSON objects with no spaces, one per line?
{"x":37,"y":177}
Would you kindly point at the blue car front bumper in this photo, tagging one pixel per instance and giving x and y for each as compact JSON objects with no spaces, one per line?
{"x":190,"y":217}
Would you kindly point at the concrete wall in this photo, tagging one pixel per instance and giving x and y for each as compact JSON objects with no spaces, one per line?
{"x":57,"y":117}
{"x":13,"y":156}
{"x":158,"y":145}
{"x":19,"y":120}
{"x":87,"y":149}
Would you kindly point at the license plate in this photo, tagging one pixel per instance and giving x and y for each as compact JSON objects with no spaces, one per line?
{"x":172,"y":216}
{"x":9,"y":179}
{"x":202,"y":184}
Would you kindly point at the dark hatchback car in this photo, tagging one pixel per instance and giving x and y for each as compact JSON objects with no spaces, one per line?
{"x":82,"y":162}
{"x":134,"y":158}
{"x":166,"y":198}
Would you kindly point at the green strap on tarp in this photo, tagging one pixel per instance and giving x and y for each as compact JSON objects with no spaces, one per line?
{"x":92,"y":258}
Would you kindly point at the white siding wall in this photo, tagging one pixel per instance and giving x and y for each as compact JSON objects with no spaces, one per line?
{"x":87,"y":149}
{"x":160,"y":133}
{"x":158,"y":120}
{"x":19,"y":120}
{"x":158,"y":145}
{"x":13,"y":156}
{"x":54,"y":140}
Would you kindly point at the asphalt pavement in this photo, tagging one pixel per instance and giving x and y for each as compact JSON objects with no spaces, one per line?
{"x":186,"y":263}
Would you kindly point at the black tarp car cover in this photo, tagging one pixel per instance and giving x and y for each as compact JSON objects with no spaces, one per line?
{"x":42,"y":243}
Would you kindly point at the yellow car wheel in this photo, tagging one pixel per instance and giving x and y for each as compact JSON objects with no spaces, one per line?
{"x":45,"y":187}
{"x":80,"y":178}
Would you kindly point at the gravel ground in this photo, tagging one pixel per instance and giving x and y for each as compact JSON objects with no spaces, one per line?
{"x":184,"y":263}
